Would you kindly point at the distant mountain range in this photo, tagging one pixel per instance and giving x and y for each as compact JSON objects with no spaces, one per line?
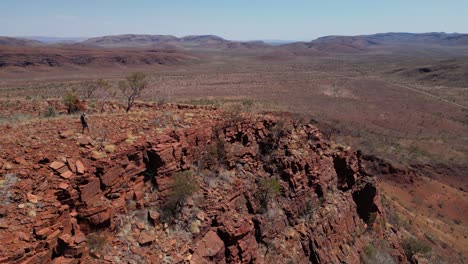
{"x":54,"y":40}
{"x":194,"y":41}
{"x":352,"y":44}
{"x":438,"y":38}
{"x":344,"y":44}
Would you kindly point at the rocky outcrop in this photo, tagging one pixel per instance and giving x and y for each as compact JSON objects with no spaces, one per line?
{"x":270,"y":191}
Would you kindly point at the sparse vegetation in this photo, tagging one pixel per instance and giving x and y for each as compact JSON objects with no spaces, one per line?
{"x":413,"y":245}
{"x":213,"y":156}
{"x":378,"y":252}
{"x":96,"y":244}
{"x":89,"y":89}
{"x":369,"y":250}
{"x":397,"y":220}
{"x":49,"y":112}
{"x":71,"y":102}
{"x":14,"y":118}
{"x":267,"y":188}
{"x":184,"y":185}
{"x":280,"y":129}
{"x":132,"y":88}
{"x":204,"y":102}
{"x":105,"y":92}
{"x":309,"y":205}
{"x":348,"y":95}
{"x":372,"y":218}
{"x":247,"y":104}
{"x":233,"y":113}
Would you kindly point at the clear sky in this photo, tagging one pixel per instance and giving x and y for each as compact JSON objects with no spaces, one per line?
{"x":233,"y":19}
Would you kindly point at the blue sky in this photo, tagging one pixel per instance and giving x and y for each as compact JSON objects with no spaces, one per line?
{"x":233,"y":19}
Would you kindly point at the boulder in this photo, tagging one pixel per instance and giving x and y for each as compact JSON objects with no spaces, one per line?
{"x":84,"y":141}
{"x":67,"y":174}
{"x":80,"y":168}
{"x":112,"y":176}
{"x":209,"y":249}
{"x":145,"y":238}
{"x":67,"y":133}
{"x":89,"y":190}
{"x":153,"y":217}
{"x":56,"y":165}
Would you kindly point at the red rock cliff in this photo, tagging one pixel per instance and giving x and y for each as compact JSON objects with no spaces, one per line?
{"x":269,"y":191}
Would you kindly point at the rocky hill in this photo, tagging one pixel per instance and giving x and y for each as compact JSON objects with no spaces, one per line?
{"x":129,"y":40}
{"x":353,"y":44}
{"x":29,"y":57}
{"x":397,"y":38}
{"x":200,"y":39}
{"x":193,"y":41}
{"x":193,"y":186}
{"x":18,"y":42}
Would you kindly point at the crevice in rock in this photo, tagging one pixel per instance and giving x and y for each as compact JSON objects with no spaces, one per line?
{"x":258,"y":231}
{"x":135,"y":158}
{"x":245,"y":140}
{"x":319,"y":191}
{"x":99,"y":172}
{"x":152,"y":163}
{"x":214,"y":222}
{"x":249,"y":205}
{"x":237,"y":137}
{"x":227,"y":243}
{"x":364,"y":200}
{"x":344,"y":173}
{"x":313,"y":257}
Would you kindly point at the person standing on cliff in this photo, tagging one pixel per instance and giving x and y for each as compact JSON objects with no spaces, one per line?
{"x":84,"y":124}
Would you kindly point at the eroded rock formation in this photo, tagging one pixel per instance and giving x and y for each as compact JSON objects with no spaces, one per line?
{"x":270,"y":191}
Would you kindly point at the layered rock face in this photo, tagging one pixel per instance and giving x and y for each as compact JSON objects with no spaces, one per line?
{"x":268,"y":191}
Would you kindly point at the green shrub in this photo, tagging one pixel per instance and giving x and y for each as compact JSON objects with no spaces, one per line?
{"x":271,"y":185}
{"x":369,"y":250}
{"x":213,"y":156}
{"x":322,"y":200}
{"x":183,"y":186}
{"x":377,"y":252}
{"x":310,"y":203}
{"x":280,"y":129}
{"x":71,"y":102}
{"x":413,"y":246}
{"x":268,"y":188}
{"x":96,"y":243}
{"x":49,"y":112}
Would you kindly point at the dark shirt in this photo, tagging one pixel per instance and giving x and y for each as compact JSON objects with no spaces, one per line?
{"x":83,"y":121}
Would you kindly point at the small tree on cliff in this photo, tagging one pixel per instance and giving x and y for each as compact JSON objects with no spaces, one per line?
{"x":132,"y":87}
{"x":183,"y":186}
{"x":267,"y":188}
